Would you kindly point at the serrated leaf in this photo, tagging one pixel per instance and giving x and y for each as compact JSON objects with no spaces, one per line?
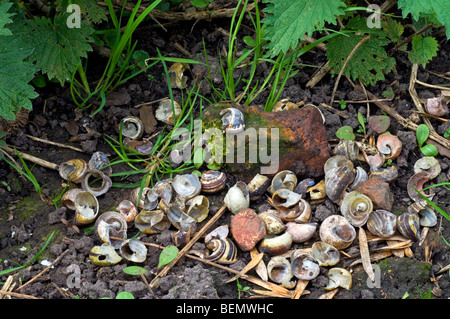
{"x":89,"y":8}
{"x":393,"y":29}
{"x":287,"y":21}
{"x":58,"y":48}
{"x":423,"y":49}
{"x":5,"y":18}
{"x":167,"y":255}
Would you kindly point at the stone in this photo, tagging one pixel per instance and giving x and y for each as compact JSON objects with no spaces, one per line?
{"x":378,"y":191}
{"x":301,"y":145}
{"x":247,"y":229}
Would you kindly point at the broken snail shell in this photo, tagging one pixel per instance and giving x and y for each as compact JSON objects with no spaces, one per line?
{"x":339,"y":277}
{"x":151,"y":222}
{"x":148,"y":199}
{"x":237,"y":197}
{"x":86,"y":208}
{"x":338,"y":179}
{"x":304,"y":266}
{"x":258,"y":186}
{"x":283,"y":180}
{"x":232,"y":120}
{"x":276,"y":245}
{"x":303,"y":185}
{"x":73,"y":170}
{"x":408,"y":225}
{"x":389,"y":145}
{"x":347,"y":148}
{"x":427,"y":217}
{"x":111,"y":228}
{"x":176,"y":75}
{"x":100,"y":190}
{"x":336,"y":230}
{"x":382,"y":223}
{"x":220,"y":232}
{"x":284,"y":198}
{"x":416,"y":183}
{"x":133,"y":250}
{"x":375,"y":161}
{"x":325,"y":254}
{"x":165,"y":113}
{"x":301,"y":232}
{"x":334,"y":162}
{"x":428,"y":164}
{"x":142,"y":147}
{"x":436,"y":106}
{"x":285,"y":105}
{"x":305,"y":212}
{"x":198,"y":208}
{"x":388,"y":174}
{"x":100,"y":161}
{"x":317,"y":193}
{"x":356,"y":207}
{"x":69,"y":197}
{"x":186,"y":185}
{"x":213,"y":181}
{"x":132,"y":127}
{"x":128,"y":210}
{"x":272,"y":221}
{"x":178,"y":218}
{"x":279,"y":271}
{"x":224,"y":251}
{"x":104,"y":255}
{"x":361,"y":176}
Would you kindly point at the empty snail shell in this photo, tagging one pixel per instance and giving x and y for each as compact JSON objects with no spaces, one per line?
{"x":285,"y":198}
{"x":276,"y":245}
{"x":224,"y":251}
{"x":232,"y":120}
{"x":128,"y":210}
{"x":220,"y":232}
{"x":347,"y":148}
{"x":317,"y":193}
{"x":416,"y":207}
{"x":301,"y":232}
{"x":416,"y":183}
{"x":336,"y":230}
{"x":104,"y":255}
{"x":389,"y":145}
{"x":186,"y":185}
{"x":361,"y":176}
{"x":213,"y":181}
{"x":73,"y":170}
{"x":284,"y":105}
{"x":143,"y":147}
{"x":165,"y":112}
{"x":237,"y":197}
{"x":133,"y":250}
{"x":176,"y":75}
{"x":305,"y":212}
{"x":283,"y":180}
{"x":151,"y":222}
{"x":389,"y":173}
{"x":100,"y":190}
{"x":428,"y":164}
{"x":382,"y":223}
{"x":303,"y":185}
{"x":279,"y":271}
{"x":132,"y":127}
{"x":198,"y":208}
{"x":148,"y":199}
{"x":86,"y":208}
{"x":356,"y":207}
{"x":272,"y":221}
{"x":163,"y":189}
{"x":100,"y":161}
{"x":427,"y":217}
{"x":69,"y":197}
{"x":111,"y":228}
{"x":339,"y":277}
{"x":338,"y":179}
{"x":408,"y":225}
{"x":304,"y":266}
{"x":375,"y":161}
{"x":178,"y":218}
{"x":334,"y":162}
{"x":325,"y":254}
{"x":436,"y":106}
{"x":258,"y":186}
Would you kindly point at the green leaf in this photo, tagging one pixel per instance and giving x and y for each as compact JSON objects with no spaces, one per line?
{"x":5,"y":18}
{"x":124,"y":295}
{"x":345,"y":133}
{"x":287,"y":21}
{"x":422,"y":134}
{"x":134,"y":270}
{"x":429,"y":150}
{"x":89,"y":8}
{"x":167,"y":255}
{"x":447,"y":133}
{"x":201,"y":3}
{"x":423,"y":49}
{"x":393,"y":29}
{"x":362,"y":121}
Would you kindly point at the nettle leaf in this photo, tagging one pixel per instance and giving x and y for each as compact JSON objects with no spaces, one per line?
{"x":393,"y":29}
{"x":5,"y":18}
{"x":423,"y":49}
{"x":370,"y":62}
{"x":58,"y":48}
{"x":287,"y":21}
{"x":89,"y":8}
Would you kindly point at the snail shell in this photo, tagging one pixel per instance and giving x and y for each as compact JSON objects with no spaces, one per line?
{"x":178,"y":218}
{"x":339,"y":277}
{"x":69,"y":197}
{"x":164,"y":112}
{"x":128,"y":210}
{"x":325,"y":254}
{"x":284,"y":105}
{"x":86,"y":208}
{"x":132,"y":127}
{"x":232,"y":120}
{"x":258,"y":186}
{"x":151,"y":222}
{"x":148,"y":199}
{"x":143,"y":147}
{"x":100,"y":161}
{"x":73,"y":170}
{"x":336,"y":230}
{"x":302,"y":186}
{"x":382,"y":223}
{"x":186,"y":185}
{"x":272,"y":221}
{"x":213,"y":181}
{"x":285,"y":198}
{"x":375,"y":161}
{"x":276,"y":245}
{"x":356,"y":207}
{"x":389,"y":173}
{"x":104,"y":255}
{"x":361,"y":176}
{"x":408,"y":225}
{"x":301,"y":232}
{"x":198,"y":208}
{"x":220,"y":232}
{"x":284,"y":180}
{"x":317,"y":193}
{"x":279,"y":271}
{"x":111,"y":224}
{"x":436,"y":106}
{"x":133,"y":250}
{"x":416,"y":181}
{"x":427,"y":217}
{"x":176,"y":75}
{"x":237,"y":197}
{"x":338,"y":179}
{"x":389,"y":145}
{"x":428,"y":164}
{"x":304,"y":266}
{"x":224,"y":251}
{"x":347,"y":148}
{"x":334,"y":162}
{"x":305,"y":212}
{"x":96,"y":191}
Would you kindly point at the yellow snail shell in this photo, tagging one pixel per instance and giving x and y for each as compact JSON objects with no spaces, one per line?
{"x":132,"y":127}
{"x":104,"y":255}
{"x":356,"y":207}
{"x":73,"y":170}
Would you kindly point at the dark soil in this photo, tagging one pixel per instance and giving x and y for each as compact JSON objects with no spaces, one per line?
{"x":26,"y":221}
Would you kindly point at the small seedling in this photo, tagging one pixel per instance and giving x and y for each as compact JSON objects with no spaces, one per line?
{"x":343,"y":104}
{"x":422,"y":134}
{"x":362,"y":123}
{"x":345,"y":133}
{"x":167,"y":255}
{"x":447,"y":133}
{"x":240,"y":288}
{"x":134,"y":270}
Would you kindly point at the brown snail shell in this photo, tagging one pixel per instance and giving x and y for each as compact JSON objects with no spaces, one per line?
{"x":408,"y":225}
{"x":389,"y":173}
{"x":237,"y":197}
{"x":232,"y":120}
{"x":132,"y":127}
{"x":272,"y":221}
{"x":339,"y":277}
{"x":436,"y":106}
{"x":100,"y":190}
{"x":304,"y":266}
{"x":305,"y":212}
{"x":133,"y":250}
{"x":336,"y":230}
{"x":128,"y":210}
{"x":325,"y":254}
{"x":416,"y":181}
{"x":334,"y":162}
{"x":213,"y":181}
{"x":258,"y":186}
{"x":375,"y":161}
{"x":338,"y":179}
{"x":164,"y":112}
{"x":276,"y":245}
{"x":86,"y":208}
{"x":224,"y":251}
{"x":111,"y":224}
{"x":389,"y":145}
{"x":220,"y":232}
{"x":143,"y":147}
{"x":361,"y":176}
{"x":151,"y":222}
{"x":284,"y":105}
{"x":100,"y":161}
{"x":428,"y":164}
{"x":301,"y":232}
{"x":176,"y":75}
{"x":279,"y":271}
{"x":104,"y":255}
{"x":317,"y":193}
{"x":69,"y":197}
{"x":148,"y":199}
{"x":347,"y":148}
{"x":356,"y":207}
{"x":73,"y":170}
{"x":382,"y":223}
